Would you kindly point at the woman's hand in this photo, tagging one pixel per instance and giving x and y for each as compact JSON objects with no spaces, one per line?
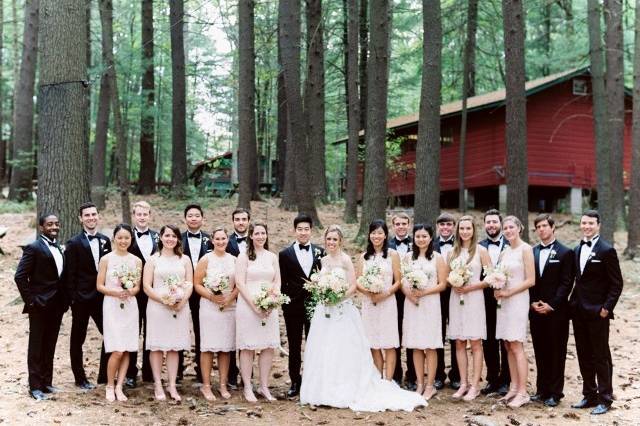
{"x":460,"y":290}
{"x":218,"y":299}
{"x":501,"y":294}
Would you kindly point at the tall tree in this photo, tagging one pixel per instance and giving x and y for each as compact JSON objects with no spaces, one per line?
{"x":22,"y":168}
{"x":3,"y":147}
{"x":63,"y":171}
{"x":247,"y":146}
{"x":353,"y":107}
{"x":364,"y":57}
{"x":281,"y":131}
{"x":614,"y":82}
{"x":374,"y":201}
{"x":314,"y":99}
{"x":600,"y":126}
{"x":516,"y":112}
{"x":178,"y":117}
{"x":288,"y":189}
{"x":633,"y":242}
{"x":427,"y":185}
{"x":147,"y":175}
{"x":468,"y":89}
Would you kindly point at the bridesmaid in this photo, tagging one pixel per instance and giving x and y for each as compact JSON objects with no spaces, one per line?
{"x":168,"y":326}
{"x":119,"y":309}
{"x":379,"y":310}
{"x":257,"y":267}
{"x":511,"y":318}
{"x":421,"y":326}
{"x":467,"y":322}
{"x":217,"y":314}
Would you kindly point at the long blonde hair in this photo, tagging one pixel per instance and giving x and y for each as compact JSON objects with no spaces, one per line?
{"x":457,"y":242}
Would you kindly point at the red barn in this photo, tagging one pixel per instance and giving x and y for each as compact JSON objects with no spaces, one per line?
{"x":560,"y":139}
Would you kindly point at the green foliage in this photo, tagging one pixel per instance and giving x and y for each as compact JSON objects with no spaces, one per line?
{"x":8,"y":206}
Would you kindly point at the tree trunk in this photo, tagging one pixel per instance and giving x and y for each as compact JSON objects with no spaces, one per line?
{"x":22,"y":167}
{"x":516,"y":112}
{"x":600,"y":127}
{"x":98,"y":169}
{"x":178,"y":120}
{"x":353,"y":108}
{"x":16,"y":76}
{"x":106,"y":18}
{"x":614,"y":83}
{"x":290,"y":42}
{"x":633,"y":242}
{"x":281,"y":136}
{"x":247,"y":146}
{"x":427,"y":185}
{"x":374,"y":201}
{"x":546,"y":37}
{"x":3,"y":148}
{"x":87,"y":115}
{"x":364,"y":57}
{"x":147,"y":175}
{"x":467,"y":83}
{"x":63,"y":168}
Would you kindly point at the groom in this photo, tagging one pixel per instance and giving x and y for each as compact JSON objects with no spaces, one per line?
{"x":297,"y":263}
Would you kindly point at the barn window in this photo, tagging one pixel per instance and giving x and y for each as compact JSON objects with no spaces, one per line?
{"x":580,"y":87}
{"x":446,"y":136}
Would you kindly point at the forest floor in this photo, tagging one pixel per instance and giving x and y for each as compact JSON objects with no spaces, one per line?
{"x":72,"y":406}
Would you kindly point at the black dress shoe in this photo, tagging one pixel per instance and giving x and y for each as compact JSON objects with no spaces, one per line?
{"x":38,"y":395}
{"x":536,"y":398}
{"x":294,"y":390}
{"x":489,"y":389}
{"x":600,"y":409}
{"x":130,"y":382}
{"x":585,"y":403}
{"x":551,"y":402}
{"x":85,"y":385}
{"x":50,"y":389}
{"x":503,"y":390}
{"x":455,"y":385}
{"x":438,"y":384}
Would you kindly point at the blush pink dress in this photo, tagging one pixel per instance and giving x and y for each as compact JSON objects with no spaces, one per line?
{"x":513,"y":317}
{"x":120,"y":324}
{"x":468,"y":321}
{"x":218,"y":328}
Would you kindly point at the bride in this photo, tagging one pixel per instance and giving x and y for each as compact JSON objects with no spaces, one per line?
{"x":338,"y":366}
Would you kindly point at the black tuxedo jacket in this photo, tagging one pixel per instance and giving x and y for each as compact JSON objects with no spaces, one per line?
{"x":80,"y":271}
{"x":293,"y":277}
{"x":392,"y":242}
{"x":135,"y":249}
{"x":436,"y":246}
{"x":205,"y":246}
{"x":555,"y":283}
{"x":37,"y":276}
{"x":232,"y":246}
{"x":599,"y":285}
{"x":485,"y":243}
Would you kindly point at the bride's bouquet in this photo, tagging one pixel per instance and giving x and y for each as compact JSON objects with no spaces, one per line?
{"x":497,"y":277}
{"x":459,"y":275}
{"x":269,"y":298}
{"x":216,"y":284}
{"x":127,"y":277}
{"x":416,"y":279}
{"x":372,"y":279}
{"x":174,"y":291}
{"x":327,"y":287}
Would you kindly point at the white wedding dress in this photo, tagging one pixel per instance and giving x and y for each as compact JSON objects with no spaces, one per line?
{"x":339,"y":369}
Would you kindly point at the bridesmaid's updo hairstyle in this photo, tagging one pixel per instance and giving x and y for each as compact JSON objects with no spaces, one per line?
{"x":336,"y":229}
{"x":177,"y":250}
{"x":415,"y":250}
{"x":218,"y":229}
{"x":515,"y":221}
{"x":251,"y":249}
{"x":457,"y":242}
{"x":377,"y":224}
{"x":123,"y":226}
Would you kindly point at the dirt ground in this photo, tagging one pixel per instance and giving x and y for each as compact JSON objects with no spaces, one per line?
{"x":72,"y":406}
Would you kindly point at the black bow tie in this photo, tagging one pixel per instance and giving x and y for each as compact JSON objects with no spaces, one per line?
{"x":444,"y":243}
{"x":140,"y":233}
{"x":240,"y":239}
{"x":495,"y":243}
{"x":52,"y":243}
{"x":304,"y":247}
{"x":587,"y":243}
{"x":543,"y":247}
{"x":92,"y":237}
{"x":405,"y":241}
{"x":192,"y":235}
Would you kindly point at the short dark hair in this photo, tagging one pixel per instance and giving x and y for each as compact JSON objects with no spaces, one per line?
{"x":415,"y":249}
{"x":492,"y":212}
{"x":241,"y":210}
{"x":193,"y":206}
{"x":446,"y":217}
{"x":123,"y":226}
{"x":592,"y":213}
{"x":43,"y":217}
{"x":86,"y":205}
{"x":302,"y":218}
{"x":542,"y":217}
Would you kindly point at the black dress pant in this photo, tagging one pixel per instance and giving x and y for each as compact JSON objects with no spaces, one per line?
{"x":454,"y":374}
{"x":82,"y":311}
{"x":194,"y":306}
{"x":44,"y":326}
{"x":132,"y":371}
{"x":549,"y":334}
{"x":411,"y":371}
{"x":495,"y":354}
{"x":296,"y":323}
{"x":594,"y":358}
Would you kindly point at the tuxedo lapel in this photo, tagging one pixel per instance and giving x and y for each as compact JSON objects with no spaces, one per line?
{"x":536,"y":256}
{"x":44,"y":247}
{"x":291,"y":252}
{"x":204,"y":245}
{"x":87,"y":249}
{"x":594,"y":252}
{"x":577,"y":256}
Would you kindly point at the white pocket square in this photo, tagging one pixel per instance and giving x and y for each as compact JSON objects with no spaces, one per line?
{"x":596,"y":261}
{"x":554,"y":261}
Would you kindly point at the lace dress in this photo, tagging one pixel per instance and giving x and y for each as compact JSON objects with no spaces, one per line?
{"x":218,"y":328}
{"x":381,"y":320}
{"x":120,"y":323}
{"x":468,"y":321}
{"x":512,"y":318}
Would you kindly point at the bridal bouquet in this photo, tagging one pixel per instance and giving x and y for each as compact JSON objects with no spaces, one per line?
{"x":269,"y":298}
{"x":497,"y":277}
{"x":459,"y":275}
{"x":216,"y":284}
{"x":416,"y":279}
{"x":372,"y":279}
{"x":327,"y":287}
{"x":127,"y":277}
{"x":174,"y":292}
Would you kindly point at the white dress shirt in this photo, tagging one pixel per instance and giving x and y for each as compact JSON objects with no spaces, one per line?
{"x":305,"y":257}
{"x":544,"y":256}
{"x":585,"y":252}
{"x":56,"y":253}
{"x":145,"y":244}
{"x":495,"y":250}
{"x":95,"y":247}
{"x":242,"y":246}
{"x":446,"y":249}
{"x":194,"y":248}
{"x":403,"y":248}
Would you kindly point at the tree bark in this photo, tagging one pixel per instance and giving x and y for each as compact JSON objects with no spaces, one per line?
{"x":364,"y":57}
{"x":147,"y":175}
{"x":20,"y":186}
{"x":178,"y":120}
{"x":427,"y":185}
{"x":3,"y":147}
{"x":633,"y":242}
{"x":353,"y":108}
{"x":374,"y":201}
{"x":63,"y":168}
{"x":516,"y":112}
{"x":98,"y":169}
{"x":468,"y":86}
{"x":281,"y":136}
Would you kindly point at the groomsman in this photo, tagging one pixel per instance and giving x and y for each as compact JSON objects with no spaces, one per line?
{"x":443,"y":244}
{"x":402,"y":243}
{"x":143,"y":246}
{"x":82,"y":255}
{"x":495,"y":354}
{"x":40,"y":283}
{"x":196,"y":243}
{"x":297,"y":263}
{"x":549,"y":316}
{"x":597,"y":288}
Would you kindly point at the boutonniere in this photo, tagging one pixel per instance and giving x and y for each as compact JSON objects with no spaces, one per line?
{"x":102,"y":243}
{"x":156,"y":238}
{"x":205,"y":240}
{"x":592,"y":255}
{"x":62,"y":248}
{"x":317,"y":252}
{"x":552,"y":254}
